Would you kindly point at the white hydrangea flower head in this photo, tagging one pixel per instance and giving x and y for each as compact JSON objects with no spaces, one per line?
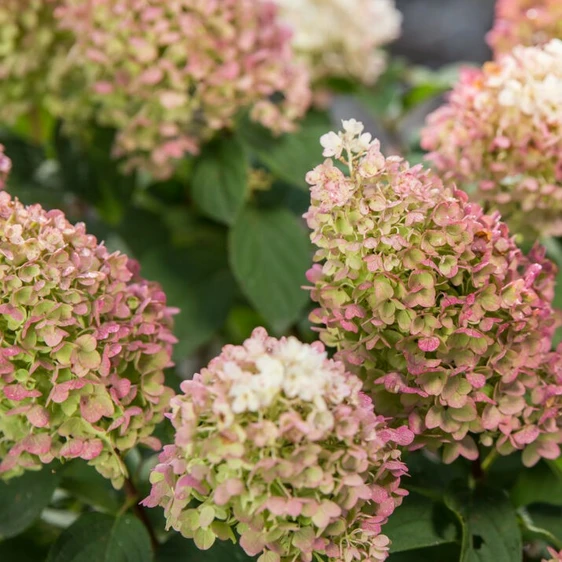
{"x":342,"y":38}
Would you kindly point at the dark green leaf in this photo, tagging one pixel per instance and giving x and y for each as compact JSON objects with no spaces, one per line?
{"x":140,"y":239}
{"x":429,"y":473}
{"x":269,"y":255}
{"x":89,"y":171}
{"x":179,"y":549}
{"x":240,"y":323}
{"x":89,"y":486}
{"x":96,"y":537}
{"x":220,"y":179}
{"x":419,"y":523}
{"x":489,"y":523}
{"x":21,"y":550}
{"x":23,"y":499}
{"x":291,"y":156}
{"x":547,"y":517}
{"x":443,"y":553}
{"x":198,"y":282}
{"x":538,"y":484}
{"x":532,"y":530}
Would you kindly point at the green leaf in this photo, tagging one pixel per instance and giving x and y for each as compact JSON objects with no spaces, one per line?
{"x":20,"y":550}
{"x":179,"y":549}
{"x":86,"y":484}
{"x":442,"y":553}
{"x":23,"y":499}
{"x":547,"y":517}
{"x":489,"y":523}
{"x":538,"y":484}
{"x":429,"y":474}
{"x":96,"y":537}
{"x":384,"y":100}
{"x":269,"y":255}
{"x":533,"y":531}
{"x":196,"y":280}
{"x":220,"y":179}
{"x":291,"y":156}
{"x":420,"y":523}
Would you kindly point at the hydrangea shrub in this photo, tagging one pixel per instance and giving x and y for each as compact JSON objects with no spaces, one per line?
{"x":336,"y":39}
{"x":524,"y":22}
{"x":277,"y":442}
{"x":84,"y":343}
{"x":432,"y":302}
{"x":167,"y":77}
{"x":32,"y":52}
{"x":499,"y":132}
{"x":181,"y":132}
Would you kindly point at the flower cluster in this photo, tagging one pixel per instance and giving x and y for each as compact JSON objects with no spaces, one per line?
{"x":277,"y":441}
{"x":501,"y":130}
{"x":525,"y":22}
{"x":342,"y":39}
{"x":5,"y":167}
{"x":84,"y":341}
{"x":30,"y":48}
{"x":167,"y":76}
{"x":431,"y":301}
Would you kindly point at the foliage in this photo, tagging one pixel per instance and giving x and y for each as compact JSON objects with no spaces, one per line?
{"x":186,"y":138}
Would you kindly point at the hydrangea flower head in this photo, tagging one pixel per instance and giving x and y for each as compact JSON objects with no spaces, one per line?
{"x":501,"y":131}
{"x":168,"y":75}
{"x":430,"y":301}
{"x":5,"y":167}
{"x":84,"y":341}
{"x":30,"y":48}
{"x":276,"y":441}
{"x":342,"y":39}
{"x":525,"y":22}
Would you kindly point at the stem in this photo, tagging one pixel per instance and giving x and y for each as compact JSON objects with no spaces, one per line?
{"x":36,"y":125}
{"x":489,"y":460}
{"x":477,"y":471}
{"x":133,"y":497}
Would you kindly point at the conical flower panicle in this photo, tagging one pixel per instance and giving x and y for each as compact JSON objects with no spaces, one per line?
{"x":84,"y":341}
{"x":337,"y":39}
{"x":524,"y":22}
{"x":169,"y":76}
{"x":430,"y":301}
{"x":278,"y":443}
{"x":500,"y":133}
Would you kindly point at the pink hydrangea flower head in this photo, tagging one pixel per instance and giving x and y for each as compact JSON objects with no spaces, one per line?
{"x":84,"y":341}
{"x":342,"y":39}
{"x":31,"y":48}
{"x":5,"y":167}
{"x":277,"y":441}
{"x":525,"y":22}
{"x":429,"y":300}
{"x":500,"y":131}
{"x":169,"y":75}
